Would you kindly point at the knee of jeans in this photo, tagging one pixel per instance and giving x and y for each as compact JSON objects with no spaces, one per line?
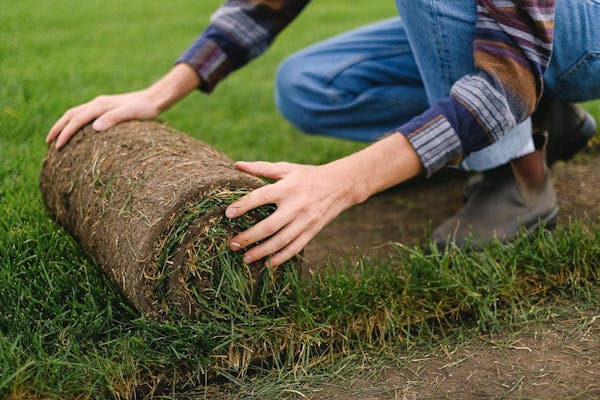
{"x":294,"y":97}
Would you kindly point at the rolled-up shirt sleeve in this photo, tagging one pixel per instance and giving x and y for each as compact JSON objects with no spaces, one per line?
{"x":512,"y":49}
{"x":239,"y":31}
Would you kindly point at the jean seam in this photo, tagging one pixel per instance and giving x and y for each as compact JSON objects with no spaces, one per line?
{"x":581,"y":63}
{"x":441,"y":50}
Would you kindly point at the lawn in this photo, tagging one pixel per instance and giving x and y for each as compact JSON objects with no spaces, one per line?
{"x":66,"y":333}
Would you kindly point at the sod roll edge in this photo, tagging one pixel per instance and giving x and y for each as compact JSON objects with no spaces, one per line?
{"x":147,"y":203}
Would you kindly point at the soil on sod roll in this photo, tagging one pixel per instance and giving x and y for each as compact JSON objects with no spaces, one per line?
{"x":147,"y":202}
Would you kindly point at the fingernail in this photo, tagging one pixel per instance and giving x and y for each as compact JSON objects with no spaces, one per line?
{"x":231,"y":212}
{"x":235,"y":246}
{"x":247,"y":259}
{"x":99,"y":125}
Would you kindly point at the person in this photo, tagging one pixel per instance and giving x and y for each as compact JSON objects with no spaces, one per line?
{"x":448,"y":83}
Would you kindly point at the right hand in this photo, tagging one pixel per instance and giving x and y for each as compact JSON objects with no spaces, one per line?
{"x":106,"y":111}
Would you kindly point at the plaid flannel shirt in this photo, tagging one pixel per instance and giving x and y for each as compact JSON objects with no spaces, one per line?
{"x":512,"y":49}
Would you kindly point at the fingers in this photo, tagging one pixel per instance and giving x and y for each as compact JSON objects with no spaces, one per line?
{"x":265,"y":169}
{"x":104,"y":109}
{"x":290,"y":250}
{"x":263,"y":195}
{"x":284,"y":235}
{"x":75,"y":123}
{"x":62,"y":122}
{"x":111,"y":118}
{"x":284,"y":245}
{"x":272,"y":245}
{"x":262,"y":230}
{"x":75,"y":118}
{"x":256,"y":198}
{"x":281,"y":228}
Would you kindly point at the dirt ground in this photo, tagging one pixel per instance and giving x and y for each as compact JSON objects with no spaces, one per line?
{"x":407,"y":213}
{"x":552,"y":361}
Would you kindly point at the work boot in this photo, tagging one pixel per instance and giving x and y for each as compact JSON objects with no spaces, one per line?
{"x":567,"y":128}
{"x":500,"y":209}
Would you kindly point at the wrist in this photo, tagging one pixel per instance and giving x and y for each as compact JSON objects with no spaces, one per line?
{"x":175,"y":85}
{"x":345,"y":175}
{"x":159,"y":99}
{"x":383,"y":164}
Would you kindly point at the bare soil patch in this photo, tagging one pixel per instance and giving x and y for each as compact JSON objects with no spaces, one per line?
{"x":549,"y":361}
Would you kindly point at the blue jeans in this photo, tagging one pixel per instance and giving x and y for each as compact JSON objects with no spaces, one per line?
{"x":365,"y":83}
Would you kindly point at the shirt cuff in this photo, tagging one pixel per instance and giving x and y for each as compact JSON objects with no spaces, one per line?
{"x":435,"y":141}
{"x":209,"y":61}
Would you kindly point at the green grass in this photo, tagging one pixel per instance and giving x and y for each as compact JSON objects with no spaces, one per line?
{"x":66,"y":333}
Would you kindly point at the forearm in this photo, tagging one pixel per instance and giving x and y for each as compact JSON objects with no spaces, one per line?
{"x":383,"y":164}
{"x":172,"y":87}
{"x":240,"y":30}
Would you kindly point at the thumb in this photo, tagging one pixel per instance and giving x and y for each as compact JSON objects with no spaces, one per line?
{"x":110,"y":119}
{"x":265,"y":169}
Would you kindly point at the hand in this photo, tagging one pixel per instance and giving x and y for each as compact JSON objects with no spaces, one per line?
{"x":106,"y":111}
{"x":143,"y":104}
{"x":307,"y":198}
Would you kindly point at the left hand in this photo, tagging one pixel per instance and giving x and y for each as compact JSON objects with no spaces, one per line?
{"x":307,"y":198}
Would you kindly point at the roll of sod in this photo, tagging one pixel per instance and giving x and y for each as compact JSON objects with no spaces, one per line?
{"x":147,"y":203}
